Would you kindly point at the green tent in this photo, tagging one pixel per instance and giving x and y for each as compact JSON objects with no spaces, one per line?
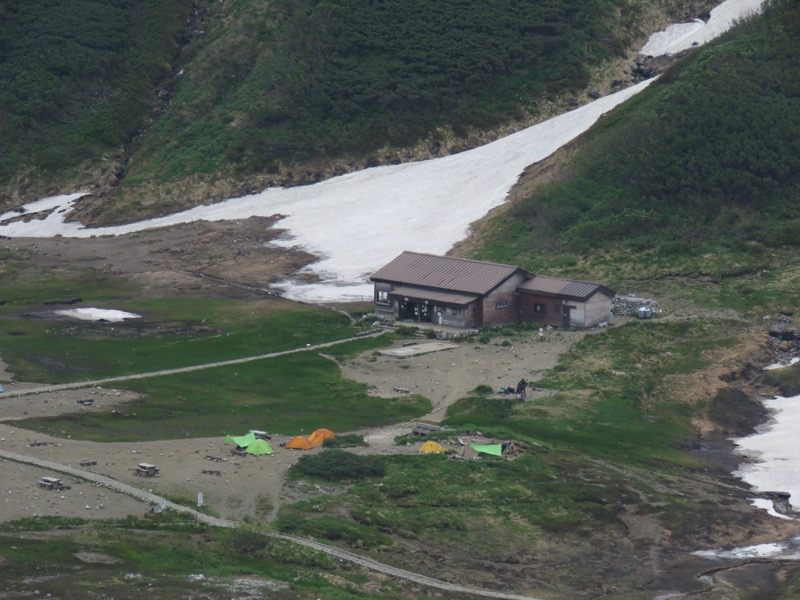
{"x":493,"y":449}
{"x":243,"y":441}
{"x":259,"y":447}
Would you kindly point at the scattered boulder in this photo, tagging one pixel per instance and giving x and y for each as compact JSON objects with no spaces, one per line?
{"x":631,"y":304}
{"x":780,"y":502}
{"x":783,"y":330}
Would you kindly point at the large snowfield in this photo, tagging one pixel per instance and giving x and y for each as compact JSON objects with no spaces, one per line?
{"x":358,"y":222}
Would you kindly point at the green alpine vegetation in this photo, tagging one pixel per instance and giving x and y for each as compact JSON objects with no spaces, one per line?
{"x":78,"y":80}
{"x":705,"y":161}
{"x":170,"y":91}
{"x":179,"y":558}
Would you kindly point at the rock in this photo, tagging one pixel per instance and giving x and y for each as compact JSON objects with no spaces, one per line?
{"x":780,"y":502}
{"x":783,"y":330}
{"x":630,"y":305}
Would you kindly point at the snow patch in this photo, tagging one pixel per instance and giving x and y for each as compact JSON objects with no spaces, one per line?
{"x":774,"y":366}
{"x":96,"y":314}
{"x":677,"y":38}
{"x":775,"y":448}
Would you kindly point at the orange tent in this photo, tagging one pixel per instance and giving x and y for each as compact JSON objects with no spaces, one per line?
{"x":299,"y":443}
{"x":320,"y":435}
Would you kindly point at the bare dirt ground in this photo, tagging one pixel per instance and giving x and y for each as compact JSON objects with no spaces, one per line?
{"x":238,"y":262}
{"x":193,"y":258}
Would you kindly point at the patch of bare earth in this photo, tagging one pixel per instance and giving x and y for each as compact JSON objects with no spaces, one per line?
{"x":206,"y":257}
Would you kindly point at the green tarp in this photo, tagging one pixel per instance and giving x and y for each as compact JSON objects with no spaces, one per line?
{"x":493,"y":449}
{"x":259,"y":447}
{"x":243,"y":441}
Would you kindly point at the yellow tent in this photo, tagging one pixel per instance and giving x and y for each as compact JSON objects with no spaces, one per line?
{"x":431,"y":447}
{"x":320,"y":435}
{"x":299,"y":443}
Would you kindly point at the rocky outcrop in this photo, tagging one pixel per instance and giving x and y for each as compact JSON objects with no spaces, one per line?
{"x":784,"y":330}
{"x":630,"y":305}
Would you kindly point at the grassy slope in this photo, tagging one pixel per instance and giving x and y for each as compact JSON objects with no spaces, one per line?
{"x":264,"y":84}
{"x":179,"y":559}
{"x":698,"y":174}
{"x":309,"y":79}
{"x":78,"y":83}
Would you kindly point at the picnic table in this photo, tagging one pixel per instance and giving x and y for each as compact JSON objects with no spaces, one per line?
{"x":51,"y":483}
{"x":146,"y":470}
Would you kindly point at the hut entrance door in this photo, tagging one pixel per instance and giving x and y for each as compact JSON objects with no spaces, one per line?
{"x":417,"y":311}
{"x":565,"y":315}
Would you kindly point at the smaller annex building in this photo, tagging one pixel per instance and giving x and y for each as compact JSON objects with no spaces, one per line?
{"x":457,"y":292}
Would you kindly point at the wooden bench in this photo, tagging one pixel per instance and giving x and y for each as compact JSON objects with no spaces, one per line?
{"x":87,"y":463}
{"x":423,"y":429}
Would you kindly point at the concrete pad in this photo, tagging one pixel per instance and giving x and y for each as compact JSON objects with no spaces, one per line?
{"x":417,"y":349}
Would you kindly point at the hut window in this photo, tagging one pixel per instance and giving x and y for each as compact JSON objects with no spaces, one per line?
{"x":539,"y":308}
{"x":382,"y":297}
{"x":501,"y":304}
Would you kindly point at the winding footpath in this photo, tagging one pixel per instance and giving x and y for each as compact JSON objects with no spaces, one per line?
{"x":149,"y":497}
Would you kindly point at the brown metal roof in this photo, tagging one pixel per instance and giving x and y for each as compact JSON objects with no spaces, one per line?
{"x":444,"y":272}
{"x":568,"y":288}
{"x":433,"y":295}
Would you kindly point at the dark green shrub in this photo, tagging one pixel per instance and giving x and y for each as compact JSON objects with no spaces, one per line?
{"x":336,"y":465}
{"x":248,"y":542}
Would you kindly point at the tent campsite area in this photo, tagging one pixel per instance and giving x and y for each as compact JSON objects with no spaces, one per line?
{"x":255,"y":442}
